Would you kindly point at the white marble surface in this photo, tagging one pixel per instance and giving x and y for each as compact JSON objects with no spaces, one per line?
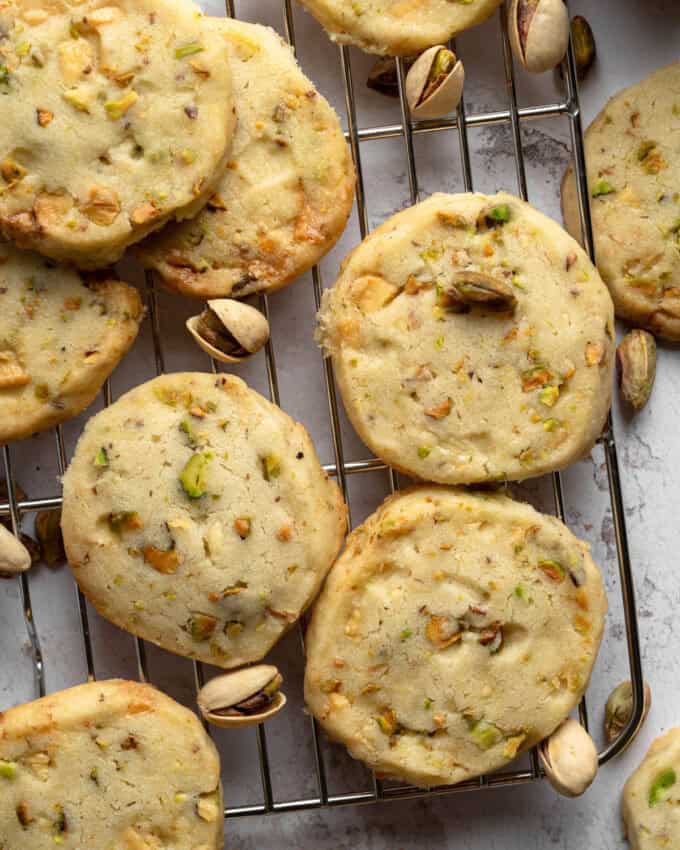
{"x":633,"y":39}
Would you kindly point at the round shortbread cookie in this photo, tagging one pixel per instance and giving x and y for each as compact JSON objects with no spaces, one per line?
{"x":118,"y":117}
{"x":633,"y":160}
{"x":108,"y":764}
{"x":462,"y":397}
{"x":651,"y":797}
{"x":196,"y":515}
{"x":287,"y":192}
{"x":456,"y":631}
{"x":60,"y":338}
{"x":398,"y":27}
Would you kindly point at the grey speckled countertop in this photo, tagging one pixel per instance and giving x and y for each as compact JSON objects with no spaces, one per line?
{"x":633,"y":39}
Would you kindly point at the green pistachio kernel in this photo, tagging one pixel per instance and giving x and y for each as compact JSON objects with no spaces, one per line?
{"x":520,"y":592}
{"x":427,"y":704}
{"x":423,"y":452}
{"x":8,"y":769}
{"x":201,"y":626}
{"x":549,"y":395}
{"x":187,"y":428}
{"x":192,"y":478}
{"x":552,"y":569}
{"x":271,"y":467}
{"x":101,"y":459}
{"x":189,"y":50}
{"x":405,"y":634}
{"x":484,"y":734}
{"x":500,"y":214}
{"x":602,"y":187}
{"x":551,"y":424}
{"x":660,"y":788}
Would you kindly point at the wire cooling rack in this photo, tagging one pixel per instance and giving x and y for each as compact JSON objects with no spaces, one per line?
{"x":406,"y":131}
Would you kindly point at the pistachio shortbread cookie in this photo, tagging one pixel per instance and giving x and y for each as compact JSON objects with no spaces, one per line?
{"x":633,"y":160}
{"x":108,"y":764}
{"x":288,"y":189}
{"x":118,"y":118}
{"x":60,"y":338}
{"x":472,"y":340}
{"x":456,"y":631}
{"x":196,"y":515}
{"x":398,"y":27}
{"x":651,"y":797}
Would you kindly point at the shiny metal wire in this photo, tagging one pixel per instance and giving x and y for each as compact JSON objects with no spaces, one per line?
{"x":513,"y":116}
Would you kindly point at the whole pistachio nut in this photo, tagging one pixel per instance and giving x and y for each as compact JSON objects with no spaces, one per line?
{"x":14,"y":556}
{"x":230,"y":331}
{"x":244,"y":698}
{"x":48,"y":532}
{"x":383,"y":76}
{"x":434,"y":85}
{"x":583,"y":41}
{"x":619,"y":709}
{"x":467,"y":289}
{"x":569,"y":758}
{"x":539,"y":33}
{"x":636,"y":359}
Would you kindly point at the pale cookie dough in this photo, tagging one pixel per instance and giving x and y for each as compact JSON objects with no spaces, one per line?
{"x":651,"y":797}
{"x":117,"y":117}
{"x":61,"y":336}
{"x":461,"y":397}
{"x":286,"y":194}
{"x":105,"y":765}
{"x":455,"y":631}
{"x":196,"y":515}
{"x":398,"y":27}
{"x":633,"y":160}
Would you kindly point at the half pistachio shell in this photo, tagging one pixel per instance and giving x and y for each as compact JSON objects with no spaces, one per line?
{"x":229,"y":331}
{"x":434,"y":85}
{"x":539,"y":33}
{"x":569,"y":757}
{"x":14,"y":556}
{"x":244,"y":698}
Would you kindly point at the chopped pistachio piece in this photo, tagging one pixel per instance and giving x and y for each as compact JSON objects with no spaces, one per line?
{"x":602,"y":187}
{"x":499,"y":214}
{"x":8,"y":769}
{"x":189,"y":50}
{"x":552,"y":569}
{"x":485,"y":735}
{"x":101,"y":459}
{"x":660,"y":788}
{"x":201,"y":626}
{"x":387,"y":721}
{"x":192,"y":477}
{"x":115,"y":109}
{"x":423,"y":452}
{"x":121,"y":521}
{"x":271,"y":467}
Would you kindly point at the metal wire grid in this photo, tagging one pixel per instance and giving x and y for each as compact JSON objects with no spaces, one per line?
{"x":341,"y":469}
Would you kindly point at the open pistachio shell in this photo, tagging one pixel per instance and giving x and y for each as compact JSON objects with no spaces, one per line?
{"x":434,"y":85}
{"x":244,"y":698}
{"x":14,"y":556}
{"x":229,"y":330}
{"x":539,"y":33}
{"x":569,"y":757}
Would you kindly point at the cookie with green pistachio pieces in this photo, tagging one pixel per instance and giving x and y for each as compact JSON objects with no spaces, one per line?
{"x":119,"y":117}
{"x":651,"y":797}
{"x":108,"y":764}
{"x":288,"y":189}
{"x":633,"y":160}
{"x":472,"y":341}
{"x":456,"y":631}
{"x":398,"y":27}
{"x":61,"y":336}
{"x":196,"y":515}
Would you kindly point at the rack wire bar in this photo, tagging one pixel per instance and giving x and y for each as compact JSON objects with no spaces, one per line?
{"x":407,"y":130}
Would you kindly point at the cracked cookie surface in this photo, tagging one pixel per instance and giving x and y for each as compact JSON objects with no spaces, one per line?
{"x":108,"y":764}
{"x":288,"y":189}
{"x":633,"y":158}
{"x":120,"y":116}
{"x":61,"y":336}
{"x":398,"y":27}
{"x":456,"y":631}
{"x":197,"y":516}
{"x":473,"y":340}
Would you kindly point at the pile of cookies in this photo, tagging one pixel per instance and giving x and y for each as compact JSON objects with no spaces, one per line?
{"x":473,"y":343}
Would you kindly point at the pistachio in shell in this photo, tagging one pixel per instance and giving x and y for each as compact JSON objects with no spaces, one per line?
{"x":636,"y":359}
{"x":244,"y":698}
{"x":569,"y":758}
{"x":619,"y":710}
{"x":539,"y":33}
{"x":434,"y":85}
{"x":14,"y":556}
{"x":229,"y":331}
{"x":583,"y":41}
{"x":48,"y":532}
